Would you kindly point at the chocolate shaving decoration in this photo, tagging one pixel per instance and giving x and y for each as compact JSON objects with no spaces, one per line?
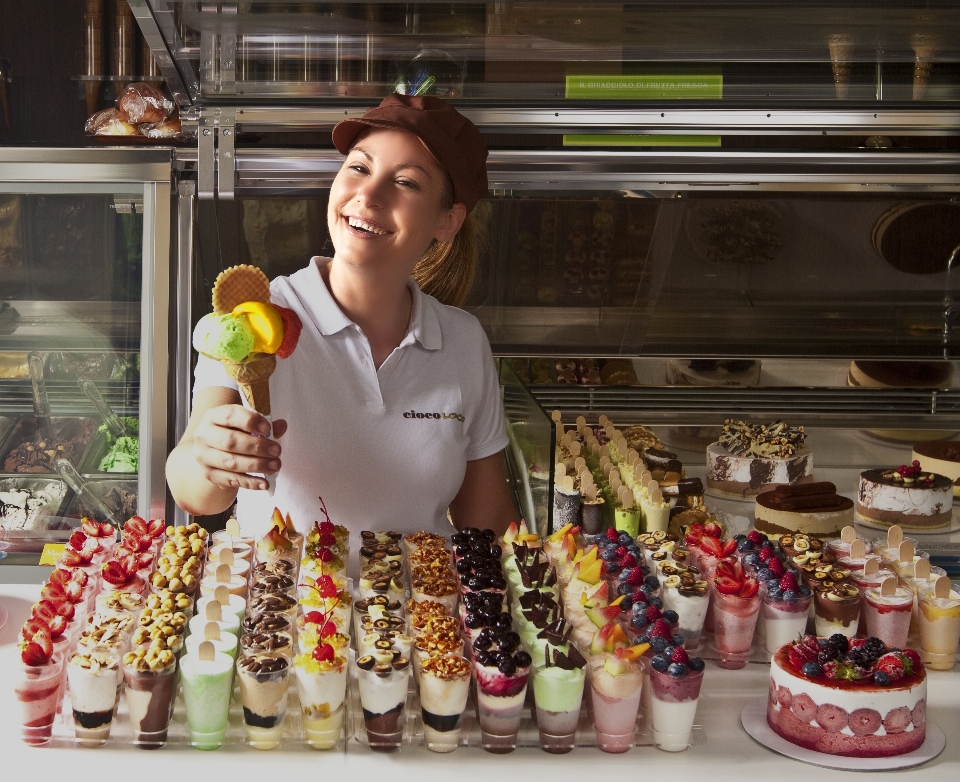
{"x":551,"y":579}
{"x":554,"y":633}
{"x":537,"y":616}
{"x":570,"y":661}
{"x":530,"y":599}
{"x":525,"y":578}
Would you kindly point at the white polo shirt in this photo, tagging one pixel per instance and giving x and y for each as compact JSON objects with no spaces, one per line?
{"x":386,"y":448}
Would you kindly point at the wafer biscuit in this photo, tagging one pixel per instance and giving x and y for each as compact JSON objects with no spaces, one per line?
{"x":237,"y":285}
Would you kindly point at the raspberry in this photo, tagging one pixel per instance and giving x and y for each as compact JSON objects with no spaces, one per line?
{"x":612,"y":535}
{"x":765,"y":554}
{"x":652,"y":613}
{"x":755,"y":537}
{"x":635,"y":577}
{"x":679,"y":656}
{"x":660,"y":629}
{"x":776,"y":567}
{"x":789,"y":581}
{"x":629,"y":561}
{"x":830,"y":668}
{"x":620,"y":551}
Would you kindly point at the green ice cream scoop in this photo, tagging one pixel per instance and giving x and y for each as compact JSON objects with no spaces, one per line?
{"x":124,"y":456}
{"x":223,"y":337}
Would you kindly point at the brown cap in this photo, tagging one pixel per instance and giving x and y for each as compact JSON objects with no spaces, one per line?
{"x":449,"y":136}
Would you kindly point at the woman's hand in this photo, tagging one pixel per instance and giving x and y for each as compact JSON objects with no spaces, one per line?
{"x":231,"y":441}
{"x":222,"y":444}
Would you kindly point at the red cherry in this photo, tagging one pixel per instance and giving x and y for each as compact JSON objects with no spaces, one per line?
{"x":324,"y":653}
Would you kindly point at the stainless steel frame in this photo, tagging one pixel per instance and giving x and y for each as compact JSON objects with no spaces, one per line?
{"x":145,"y":172}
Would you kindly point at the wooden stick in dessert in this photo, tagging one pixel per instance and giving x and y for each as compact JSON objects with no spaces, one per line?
{"x":233,"y":528}
{"x":871,"y":566}
{"x":226,"y":557}
{"x":214,"y":611}
{"x":925,"y":49}
{"x":922,"y":569}
{"x":841,"y":52}
{"x":222,"y":595}
{"x":858,"y":549}
{"x":894,"y":536}
{"x":207,"y":651}
{"x":211,"y":631}
{"x":557,"y":417}
{"x":941,"y":587}
{"x":888,"y":587}
{"x":848,"y":534}
{"x":907,"y":551}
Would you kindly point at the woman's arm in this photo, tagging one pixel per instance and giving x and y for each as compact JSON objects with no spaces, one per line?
{"x":483,"y":500}
{"x":217,"y":451}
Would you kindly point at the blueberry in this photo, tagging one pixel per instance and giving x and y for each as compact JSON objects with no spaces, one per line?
{"x":488,"y":535}
{"x":523,"y":660}
{"x":463,"y":567}
{"x":652,"y":581}
{"x":790,"y":595}
{"x":641,"y":639}
{"x":671,"y":616}
{"x":627,"y":603}
{"x":656,"y":601}
{"x":805,"y":590}
{"x":510,"y":641}
{"x":639,"y":607}
{"x":660,"y":663}
{"x":658,"y":643}
{"x":745,"y":546}
{"x":822,"y":642}
{"x":507,"y":666}
{"x":668,"y":652}
{"x":504,"y":622}
{"x":638,"y":621}
{"x":495,"y":551}
{"x":677,"y":669}
{"x":677,"y":640}
{"x":647,"y":590}
{"x":696,"y":664}
{"x":482,"y":656}
{"x":739,"y":537}
{"x":624,"y":539}
{"x":881,"y":679}
{"x":752,"y":559}
{"x":608,"y":554}
{"x":613,"y":568}
{"x":635,"y":551}
{"x":764,"y":575}
{"x":812,"y":669}
{"x":774,"y":591}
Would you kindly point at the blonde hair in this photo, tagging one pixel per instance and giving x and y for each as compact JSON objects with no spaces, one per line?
{"x":447,"y":269}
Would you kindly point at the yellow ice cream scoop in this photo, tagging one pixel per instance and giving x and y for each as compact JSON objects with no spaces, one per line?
{"x":265,"y":323}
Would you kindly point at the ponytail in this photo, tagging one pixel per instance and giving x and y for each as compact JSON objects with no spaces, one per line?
{"x":447,"y":269}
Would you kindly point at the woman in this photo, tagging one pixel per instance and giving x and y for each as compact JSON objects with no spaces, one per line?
{"x":389,"y":409}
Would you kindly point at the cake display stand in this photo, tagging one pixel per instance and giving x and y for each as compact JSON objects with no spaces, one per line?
{"x":754,"y":721}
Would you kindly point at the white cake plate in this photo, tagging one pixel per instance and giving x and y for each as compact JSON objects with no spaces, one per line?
{"x":754,"y":721}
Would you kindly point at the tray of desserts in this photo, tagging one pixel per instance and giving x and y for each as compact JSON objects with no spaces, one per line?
{"x":28,"y":451}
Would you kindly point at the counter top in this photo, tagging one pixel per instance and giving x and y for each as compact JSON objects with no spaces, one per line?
{"x":728,"y":754}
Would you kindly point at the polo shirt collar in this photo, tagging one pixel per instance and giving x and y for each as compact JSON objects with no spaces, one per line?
{"x":330,"y":319}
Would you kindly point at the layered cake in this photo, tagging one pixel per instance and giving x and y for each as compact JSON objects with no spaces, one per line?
{"x":810,"y":508}
{"x":750,"y":459}
{"x":941,"y":457}
{"x":907,"y":496}
{"x":857,"y":699}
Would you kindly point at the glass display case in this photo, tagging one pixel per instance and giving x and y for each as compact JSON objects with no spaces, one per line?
{"x":84,"y":297}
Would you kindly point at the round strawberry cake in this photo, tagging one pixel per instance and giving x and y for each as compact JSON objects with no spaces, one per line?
{"x":852,"y":697}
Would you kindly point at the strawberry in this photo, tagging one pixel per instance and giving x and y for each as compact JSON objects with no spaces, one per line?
{"x":635,"y":577}
{"x":727,"y":585}
{"x":729,"y":548}
{"x":135,"y":526}
{"x":789,"y":581}
{"x":32,"y":654}
{"x":135,"y":542}
{"x":612,"y":535}
{"x":42,"y":639}
{"x":57,"y":626}
{"x":913,"y":658}
{"x":831,"y":669}
{"x":679,"y":655}
{"x":117,"y":573}
{"x":60,"y":577}
{"x":54,"y":593}
{"x":694,"y":534}
{"x":73,"y":592}
{"x":776,"y":567}
{"x":711,"y":546}
{"x":76,"y":541}
{"x":855,"y":643}
{"x":324,"y":653}
{"x":749,"y":588}
{"x":725,"y":568}
{"x":156,"y":528}
{"x":44,"y":610}
{"x":67,"y":611}
{"x":892,"y":665}
{"x":90,"y":527}
{"x":652,"y":614}
{"x":800,"y":653}
{"x":757,"y":538}
{"x":32,"y":626}
{"x":713,"y":530}
{"x":660,"y":628}
{"x":71,"y":559}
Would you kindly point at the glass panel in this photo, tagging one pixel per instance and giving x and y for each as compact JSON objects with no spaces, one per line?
{"x":71,"y":280}
{"x":780,"y":50}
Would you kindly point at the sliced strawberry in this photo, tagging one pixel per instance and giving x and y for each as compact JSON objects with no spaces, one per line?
{"x":729,"y":547}
{"x":32,"y":626}
{"x":892,"y":665}
{"x":42,"y":639}
{"x":115,"y":573}
{"x":144,"y":560}
{"x":91,"y":528}
{"x":913,"y":657}
{"x":80,"y":576}
{"x":727,"y":585}
{"x":135,"y":526}
{"x":77,"y":540}
{"x":45,"y":611}
{"x":74,"y":592}
{"x":57,"y":625}
{"x":156,"y":527}
{"x":711,"y":546}
{"x":800,"y":653}
{"x":54,"y":593}
{"x":856,"y":643}
{"x":32,"y":654}
{"x":67,"y":611}
{"x":725,"y":567}
{"x":750,"y":587}
{"x":694,"y":534}
{"x":713,"y":530}
{"x":135,"y":542}
{"x":60,"y":577}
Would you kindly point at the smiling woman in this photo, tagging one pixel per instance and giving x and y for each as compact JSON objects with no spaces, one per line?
{"x":376,"y":349}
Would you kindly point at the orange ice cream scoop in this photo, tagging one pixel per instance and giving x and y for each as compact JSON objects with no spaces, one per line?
{"x":265,"y":323}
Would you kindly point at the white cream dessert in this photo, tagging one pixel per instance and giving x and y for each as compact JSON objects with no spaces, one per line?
{"x":906,"y":496}
{"x":749,"y":459}
{"x":683,"y":591}
{"x":93,"y":679}
{"x":322,"y":684}
{"x":444,"y":686}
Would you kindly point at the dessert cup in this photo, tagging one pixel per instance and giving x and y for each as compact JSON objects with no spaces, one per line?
{"x":783,"y":620}
{"x":557,"y":694}
{"x":264,"y":681}
{"x":267,"y":645}
{"x":38,"y":690}
{"x":887,"y":617}
{"x":615,"y":687}
{"x":673,"y":707}
{"x":207,"y":687}
{"x":735,"y":621}
{"x":237,"y":606}
{"x":383,"y":698}
{"x":226,"y":643}
{"x":500,"y":703}
{"x":93,"y":680}
{"x":939,"y":630}
{"x":444,"y":687}
{"x":149,"y":696}
{"x":837,"y":610}
{"x":322,"y":690}
{"x":691,"y":606}
{"x":229,"y":623}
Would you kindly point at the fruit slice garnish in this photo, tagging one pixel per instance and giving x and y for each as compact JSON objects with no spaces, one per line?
{"x":749,"y":588}
{"x":727,"y":585}
{"x":33,"y":626}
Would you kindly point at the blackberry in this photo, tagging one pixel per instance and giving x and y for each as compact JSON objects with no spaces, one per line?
{"x":875,"y":648}
{"x":824,"y":656}
{"x":839,"y":642}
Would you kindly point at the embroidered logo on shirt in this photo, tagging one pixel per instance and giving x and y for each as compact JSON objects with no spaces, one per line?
{"x":414,"y":414}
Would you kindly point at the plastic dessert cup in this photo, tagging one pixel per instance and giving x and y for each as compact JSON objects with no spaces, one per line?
{"x":783,"y":620}
{"x":919,"y":585}
{"x":558,"y":693}
{"x":500,"y":702}
{"x":264,"y":682}
{"x":226,"y":643}
{"x":887,"y":617}
{"x":673,"y":707}
{"x":691,"y":607}
{"x":939,"y":630}
{"x":322,"y":690}
{"x":207,"y":686}
{"x":237,"y":606}
{"x":444,"y":687}
{"x":383,"y":698}
{"x":93,"y":681}
{"x":38,"y":689}
{"x":229,"y":623}
{"x":736,"y":620}
{"x":615,"y":687}
{"x":836,"y":613}
{"x":149,"y":696}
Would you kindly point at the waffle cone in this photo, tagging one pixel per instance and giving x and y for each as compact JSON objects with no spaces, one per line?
{"x":253,"y":377}
{"x":841,"y":52}
{"x":925,"y":48}
{"x":237,"y":285}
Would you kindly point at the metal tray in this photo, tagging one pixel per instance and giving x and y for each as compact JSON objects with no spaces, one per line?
{"x":26,"y":429}
{"x":120,"y":495}
{"x":30,"y":533}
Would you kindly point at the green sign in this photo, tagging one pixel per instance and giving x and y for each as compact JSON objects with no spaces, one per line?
{"x":645,"y":87}
{"x":637,"y":140}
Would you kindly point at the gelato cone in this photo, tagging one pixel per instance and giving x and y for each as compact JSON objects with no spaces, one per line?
{"x":253,"y":377}
{"x":841,"y":52}
{"x":925,"y":49}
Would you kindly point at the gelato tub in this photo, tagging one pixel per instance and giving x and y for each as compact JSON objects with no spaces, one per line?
{"x":118,"y":495}
{"x":27,"y":452}
{"x":29,"y":504}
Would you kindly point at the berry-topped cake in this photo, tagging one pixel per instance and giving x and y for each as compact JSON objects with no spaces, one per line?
{"x":907,"y":496}
{"x":749,"y":459}
{"x":941,"y":457}
{"x":851,"y":697}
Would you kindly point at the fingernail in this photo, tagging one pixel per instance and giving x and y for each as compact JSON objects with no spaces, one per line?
{"x":273,"y":450}
{"x":263,"y":427}
{"x":274,"y":465}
